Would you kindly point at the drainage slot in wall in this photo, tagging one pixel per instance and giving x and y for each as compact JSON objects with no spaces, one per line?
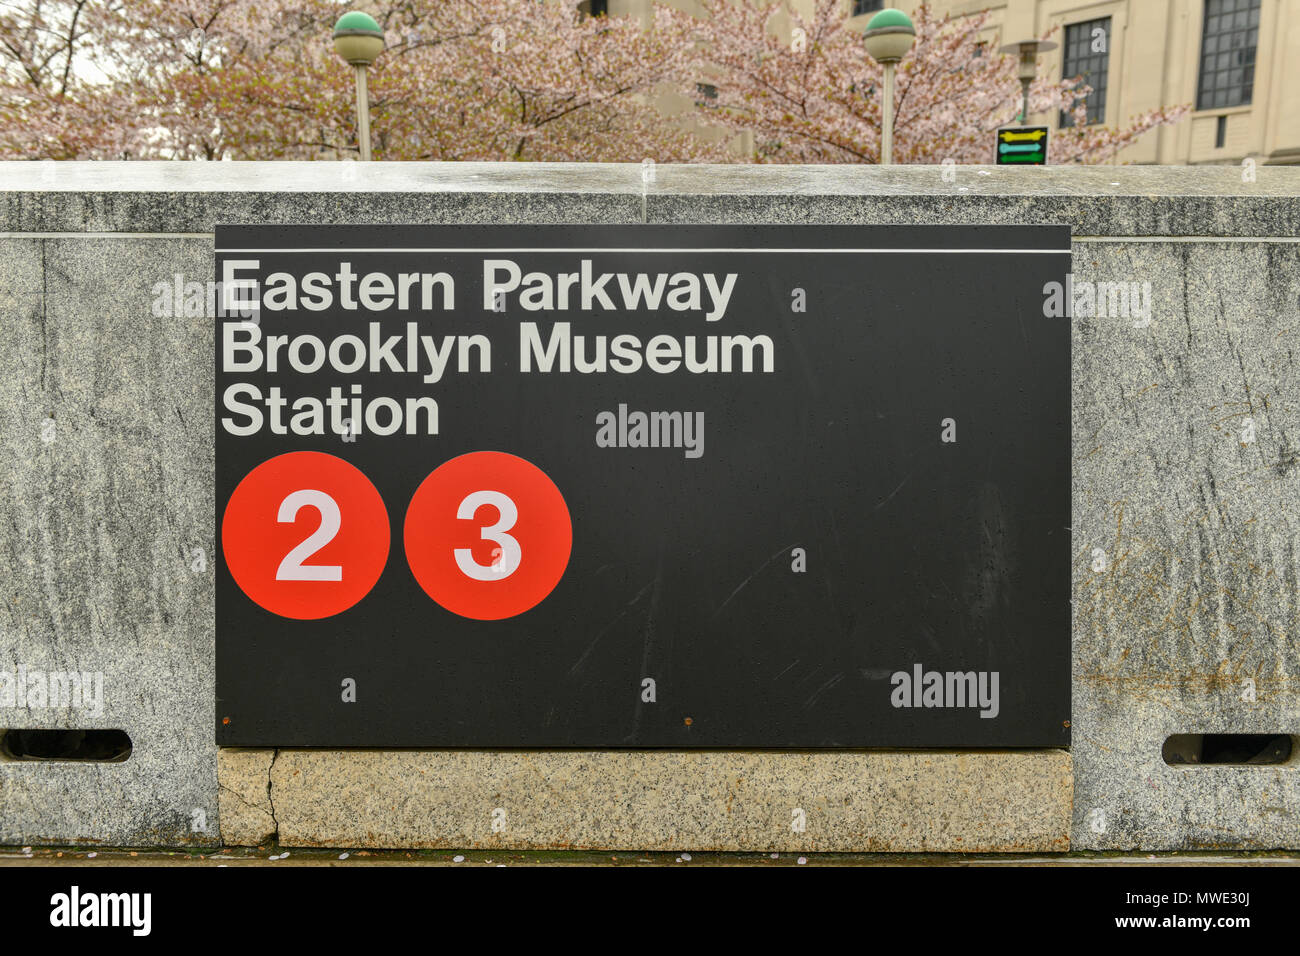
{"x":1220,"y":750}
{"x":105,"y":746}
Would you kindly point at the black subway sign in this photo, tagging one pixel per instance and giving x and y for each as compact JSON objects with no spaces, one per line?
{"x":642,"y":486}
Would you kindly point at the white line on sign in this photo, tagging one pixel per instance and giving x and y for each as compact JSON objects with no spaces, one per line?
{"x":679,"y":249}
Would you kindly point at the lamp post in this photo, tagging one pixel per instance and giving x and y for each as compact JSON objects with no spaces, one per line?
{"x":1028,"y":51}
{"x":358,"y":40}
{"x":889,"y":35}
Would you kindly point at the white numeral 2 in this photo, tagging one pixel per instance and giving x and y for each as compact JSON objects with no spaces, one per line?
{"x":292,"y":567}
{"x":507,"y":553}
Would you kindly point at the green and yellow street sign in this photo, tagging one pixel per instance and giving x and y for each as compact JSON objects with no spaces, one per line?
{"x":1022,"y":146}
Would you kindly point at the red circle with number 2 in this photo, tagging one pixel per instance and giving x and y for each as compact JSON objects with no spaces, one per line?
{"x":305,"y":535}
{"x":488,"y":535}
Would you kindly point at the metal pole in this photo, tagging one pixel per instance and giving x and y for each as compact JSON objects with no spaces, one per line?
{"x":363,"y":114}
{"x":887,"y":118}
{"x":1024,"y":109}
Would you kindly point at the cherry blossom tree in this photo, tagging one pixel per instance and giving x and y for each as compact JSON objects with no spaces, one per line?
{"x":258,"y":79}
{"x":810,"y":93}
{"x":45,"y":55}
{"x":501,"y":80}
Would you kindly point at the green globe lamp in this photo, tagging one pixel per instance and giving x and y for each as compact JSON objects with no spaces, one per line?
{"x":888,"y":37}
{"x":359,"y":41}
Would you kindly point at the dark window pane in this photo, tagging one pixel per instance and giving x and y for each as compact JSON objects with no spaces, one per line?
{"x":1228,"y":42}
{"x":1086,"y":59}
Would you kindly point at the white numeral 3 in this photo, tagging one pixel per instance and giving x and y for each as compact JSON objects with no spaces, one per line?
{"x":507,"y":553}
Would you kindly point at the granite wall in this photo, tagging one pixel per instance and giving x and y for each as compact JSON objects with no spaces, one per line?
{"x":1186,"y":441}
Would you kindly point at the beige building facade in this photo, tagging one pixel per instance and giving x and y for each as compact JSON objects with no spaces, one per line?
{"x":1235,"y":62}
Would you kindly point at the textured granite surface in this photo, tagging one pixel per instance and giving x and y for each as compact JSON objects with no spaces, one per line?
{"x":192,"y":197}
{"x":106,"y":460}
{"x":1196,"y":609}
{"x":658,"y":800}
{"x":1094,"y":201}
{"x":244,"y":797}
{"x":1197,"y":594}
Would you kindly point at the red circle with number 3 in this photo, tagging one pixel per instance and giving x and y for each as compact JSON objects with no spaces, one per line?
{"x":305,"y":535}
{"x":488,"y":535}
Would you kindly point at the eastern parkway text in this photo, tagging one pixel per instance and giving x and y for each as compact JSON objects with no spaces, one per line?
{"x":386,"y":347}
{"x":504,"y":285}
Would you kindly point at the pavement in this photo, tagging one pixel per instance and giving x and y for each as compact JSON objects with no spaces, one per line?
{"x":277,"y":856}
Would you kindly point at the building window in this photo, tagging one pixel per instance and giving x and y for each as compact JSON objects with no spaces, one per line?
{"x":1086,"y":58}
{"x":866,"y":6}
{"x":1228,"y":54}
